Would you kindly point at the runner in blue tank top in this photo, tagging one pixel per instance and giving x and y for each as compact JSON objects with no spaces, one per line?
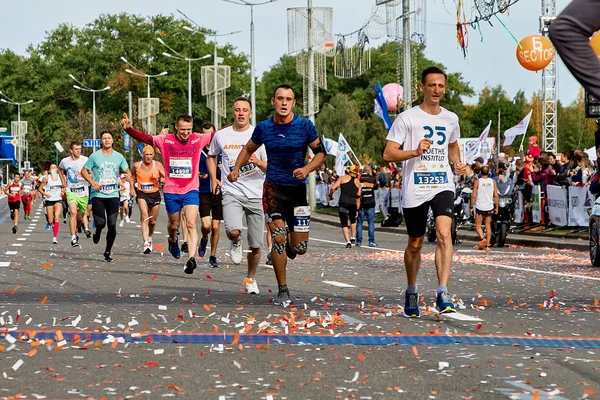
{"x":286,"y":137}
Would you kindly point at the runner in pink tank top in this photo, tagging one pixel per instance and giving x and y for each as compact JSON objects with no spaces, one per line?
{"x":181,"y":156}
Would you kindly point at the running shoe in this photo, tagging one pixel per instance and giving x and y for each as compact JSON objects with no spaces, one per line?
{"x":54,"y":241}
{"x":121,"y":223}
{"x":14,"y":229}
{"x":184,"y":247}
{"x":107,"y":257}
{"x":212,"y":261}
{"x":75,"y":241}
{"x":290,"y":252}
{"x":96,"y":236}
{"x":283,"y":298}
{"x":372,"y":244}
{"x":411,"y":305}
{"x":147,"y":248}
{"x":190,"y":265}
{"x":353,"y":240}
{"x":88,"y":233}
{"x":236,"y":251}
{"x":250,"y":286}
{"x":482,"y":244}
{"x":202,"y":247}
{"x":348,"y":245}
{"x":174,"y":248}
{"x":48,"y":226}
{"x":444,"y":303}
{"x":269,"y":259}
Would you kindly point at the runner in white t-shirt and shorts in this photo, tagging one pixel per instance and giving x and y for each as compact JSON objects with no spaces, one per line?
{"x":244,"y":196}
{"x":425,"y":139}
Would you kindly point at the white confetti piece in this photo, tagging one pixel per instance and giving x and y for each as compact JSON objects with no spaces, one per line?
{"x":443,"y":364}
{"x":62,"y":343}
{"x":17,"y":365}
{"x":356,"y":375}
{"x":10,"y":339}
{"x":162,"y":307}
{"x":237,"y":364}
{"x":159,"y":351}
{"x":133,"y":322}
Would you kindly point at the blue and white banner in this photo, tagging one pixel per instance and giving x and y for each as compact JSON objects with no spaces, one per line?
{"x":8,"y":149}
{"x":557,"y":205}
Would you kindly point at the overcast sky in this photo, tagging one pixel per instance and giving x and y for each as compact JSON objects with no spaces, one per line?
{"x":491,"y":62}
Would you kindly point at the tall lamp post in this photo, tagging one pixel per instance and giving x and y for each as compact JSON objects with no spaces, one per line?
{"x":252,"y":57}
{"x":84,"y":88}
{"x":21,"y":139}
{"x":174,"y":54}
{"x":217,"y":60}
{"x":137,"y":72}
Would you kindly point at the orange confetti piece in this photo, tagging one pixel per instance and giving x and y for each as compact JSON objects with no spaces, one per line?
{"x":84,"y":266}
{"x":1,"y":348}
{"x":361,"y":357}
{"x":536,"y":395}
{"x":31,"y":353}
{"x":158,"y":247}
{"x":236,"y":339}
{"x":415,"y":352}
{"x":59,"y":336}
{"x":154,"y":277}
{"x":590,"y":392}
{"x":207,"y":307}
{"x":15,"y":289}
{"x":176,"y":388}
{"x":47,"y":266}
{"x":44,"y":300}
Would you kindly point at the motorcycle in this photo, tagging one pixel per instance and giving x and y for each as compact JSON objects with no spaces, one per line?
{"x":460,"y":217}
{"x":503,"y":220}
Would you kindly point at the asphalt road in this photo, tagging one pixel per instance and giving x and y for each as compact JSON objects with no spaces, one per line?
{"x":76,"y":327}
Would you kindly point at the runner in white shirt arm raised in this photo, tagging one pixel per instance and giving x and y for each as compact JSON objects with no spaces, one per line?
{"x":425,"y":138}
{"x":244,"y":196}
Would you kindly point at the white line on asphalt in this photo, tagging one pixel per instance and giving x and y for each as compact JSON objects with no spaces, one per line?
{"x":21,"y":238}
{"x":28,"y":230}
{"x":17,"y":244}
{"x":362,"y":247}
{"x":27,"y":234}
{"x":4,"y":264}
{"x":11,"y":253}
{"x":339,"y":284}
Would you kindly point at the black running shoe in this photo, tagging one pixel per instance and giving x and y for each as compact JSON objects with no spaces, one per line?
{"x":190,"y":266}
{"x":107,"y":257}
{"x":15,"y":229}
{"x":202,"y":247}
{"x":88,"y":233}
{"x":75,"y":241}
{"x":174,"y":248}
{"x":283,"y":298}
{"x":212,"y":261}
{"x":184,"y":247}
{"x":290,"y":252}
{"x":96,"y":237}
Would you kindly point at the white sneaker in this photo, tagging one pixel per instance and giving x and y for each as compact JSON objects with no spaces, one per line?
{"x":250,"y":286}
{"x":121,"y":223}
{"x":54,"y":241}
{"x":147,"y":247}
{"x":236,"y":251}
{"x":127,"y":220}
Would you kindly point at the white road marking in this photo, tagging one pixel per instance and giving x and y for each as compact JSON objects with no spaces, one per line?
{"x":4,"y":264}
{"x":339,"y":284}
{"x":17,"y":244}
{"x":21,"y":238}
{"x":362,"y":247}
{"x":11,"y":253}
{"x":27,"y":234}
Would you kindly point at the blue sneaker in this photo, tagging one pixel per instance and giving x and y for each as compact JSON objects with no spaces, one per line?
{"x":444,"y":303}
{"x":411,"y":305}
{"x":48,"y":226}
{"x":174,"y":248}
{"x":202,"y":247}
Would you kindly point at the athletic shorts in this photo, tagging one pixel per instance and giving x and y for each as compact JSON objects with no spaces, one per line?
{"x":81,"y":202}
{"x":14,"y":205}
{"x":211,"y":205}
{"x":151,"y":199}
{"x":279,"y":202}
{"x":175,"y":202}
{"x":416,"y":217}
{"x":484,"y":213}
{"x":234,"y":210}
{"x":347,"y":212}
{"x":51,"y":203}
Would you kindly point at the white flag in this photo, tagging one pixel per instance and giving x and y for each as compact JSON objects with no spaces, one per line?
{"x":331,"y":147}
{"x":341,"y":157}
{"x":475,"y":149}
{"x":519,"y":129}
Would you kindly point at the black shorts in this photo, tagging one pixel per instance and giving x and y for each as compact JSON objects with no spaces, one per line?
{"x":151,"y":199}
{"x":279,"y":202}
{"x":49,"y":203}
{"x":484,"y":213}
{"x":416,"y":217}
{"x":14,"y":205}
{"x":211,"y":205}
{"x":347,"y":212}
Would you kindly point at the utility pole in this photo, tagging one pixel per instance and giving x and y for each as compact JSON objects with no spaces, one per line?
{"x":549,"y":83}
{"x":406,"y":60}
{"x":312,"y":180}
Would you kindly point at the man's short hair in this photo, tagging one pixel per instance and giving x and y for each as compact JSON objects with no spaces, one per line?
{"x":209,"y":125}
{"x":243,"y":98}
{"x":286,"y":87}
{"x":185,"y":118}
{"x":103,"y":131}
{"x":432,"y":70}
{"x":73,"y":144}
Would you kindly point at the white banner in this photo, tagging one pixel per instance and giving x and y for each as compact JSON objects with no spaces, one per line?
{"x":517,"y":130}
{"x":536,"y":204}
{"x":341,"y":158}
{"x":471,"y":154}
{"x":519,"y":208}
{"x":580,"y":201}
{"x":331,"y":147}
{"x":557,"y":205}
{"x":483,"y":149}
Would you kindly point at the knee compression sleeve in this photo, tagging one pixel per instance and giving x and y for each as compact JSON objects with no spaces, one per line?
{"x":279,"y":247}
{"x":301,"y":247}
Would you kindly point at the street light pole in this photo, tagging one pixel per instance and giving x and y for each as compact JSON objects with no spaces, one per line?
{"x":84,"y":88}
{"x":190,"y":87}
{"x":21,"y":135}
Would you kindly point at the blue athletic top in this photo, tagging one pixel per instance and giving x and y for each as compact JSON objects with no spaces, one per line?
{"x":286,"y":146}
{"x":205,"y":183}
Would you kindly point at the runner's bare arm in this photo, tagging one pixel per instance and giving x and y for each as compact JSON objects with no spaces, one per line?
{"x":139,"y":135}
{"x":474,"y":194}
{"x":244,"y":156}
{"x":211,"y":165}
{"x":394,"y":153}
{"x":129,"y":177}
{"x":88,"y":177}
{"x":454,"y":158}
{"x":317,"y":160}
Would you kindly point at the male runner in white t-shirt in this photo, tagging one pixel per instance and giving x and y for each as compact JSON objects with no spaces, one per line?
{"x":425,"y":138}
{"x":244,"y":196}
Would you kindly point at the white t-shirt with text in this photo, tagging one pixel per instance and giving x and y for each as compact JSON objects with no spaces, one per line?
{"x":425,"y":176}
{"x":75,"y":182}
{"x":230,"y":143}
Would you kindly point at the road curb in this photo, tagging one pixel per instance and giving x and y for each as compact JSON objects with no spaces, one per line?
{"x":518,"y":240}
